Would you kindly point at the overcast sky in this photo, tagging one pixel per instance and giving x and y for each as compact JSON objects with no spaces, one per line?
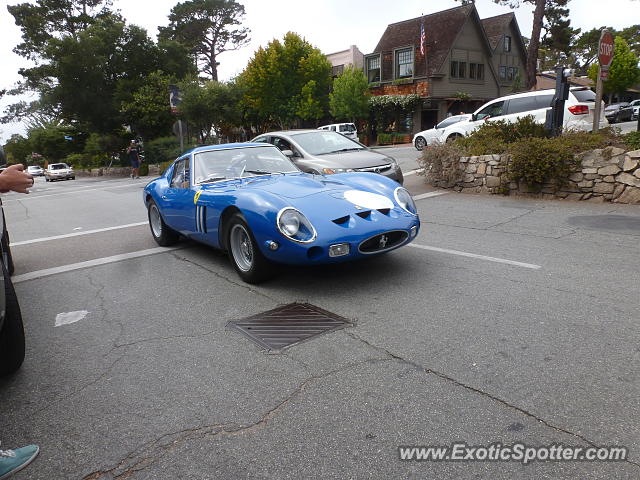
{"x":330,"y":25}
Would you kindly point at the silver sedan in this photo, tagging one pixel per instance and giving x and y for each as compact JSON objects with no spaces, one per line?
{"x":326,"y":152}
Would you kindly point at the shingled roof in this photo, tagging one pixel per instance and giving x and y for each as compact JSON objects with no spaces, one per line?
{"x":495,"y":27}
{"x":441,"y":30}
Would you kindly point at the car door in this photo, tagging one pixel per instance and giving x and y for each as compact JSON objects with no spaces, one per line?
{"x":180,"y":211}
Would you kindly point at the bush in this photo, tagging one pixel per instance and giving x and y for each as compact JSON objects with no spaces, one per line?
{"x":161,"y":150}
{"x":535,"y":161}
{"x":85,"y":161}
{"x":143,"y":171}
{"x":440,"y":164}
{"x":494,"y":137}
{"x":632,"y":140}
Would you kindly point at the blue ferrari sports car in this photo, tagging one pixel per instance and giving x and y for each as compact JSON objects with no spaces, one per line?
{"x":251,"y":201}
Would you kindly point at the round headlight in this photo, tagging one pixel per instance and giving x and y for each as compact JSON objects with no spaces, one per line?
{"x":295,"y":226}
{"x":405,"y":200}
{"x":290,"y":223}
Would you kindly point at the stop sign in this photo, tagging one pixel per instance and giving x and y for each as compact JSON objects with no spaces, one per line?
{"x":605,"y":49}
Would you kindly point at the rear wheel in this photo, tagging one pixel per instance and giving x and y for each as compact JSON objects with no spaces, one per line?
{"x":245,"y":255}
{"x":12,"y":333}
{"x":420,"y":143}
{"x":453,"y":137}
{"x":161,"y":233}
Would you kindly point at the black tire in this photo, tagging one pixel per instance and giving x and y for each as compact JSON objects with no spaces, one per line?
{"x":73,"y":178}
{"x":420,"y":143}
{"x":246,"y":258}
{"x":161,"y":233}
{"x":46,"y":179}
{"x":7,"y":257}
{"x":12,"y":333}
{"x":453,"y":137}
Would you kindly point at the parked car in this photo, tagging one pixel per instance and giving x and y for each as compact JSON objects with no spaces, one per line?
{"x":346,"y":129}
{"x":618,"y":112}
{"x":636,"y":109}
{"x":327,"y":152}
{"x":427,"y":137}
{"x":59,"y":171}
{"x":35,"y":170}
{"x":12,"y":344}
{"x":252,"y":201}
{"x":578,"y":114}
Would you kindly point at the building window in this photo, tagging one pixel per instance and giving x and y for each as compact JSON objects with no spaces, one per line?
{"x":512,"y":72}
{"x":459,"y":69}
{"x":476,"y":71}
{"x":462,"y":69}
{"x":480,"y":72}
{"x":404,"y":63}
{"x":503,"y":73}
{"x":373,"y":69}
{"x":337,"y":70}
{"x":454,"y":69}
{"x":507,"y":43}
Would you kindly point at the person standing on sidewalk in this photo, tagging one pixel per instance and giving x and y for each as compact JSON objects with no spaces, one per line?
{"x":15,"y":179}
{"x":133,"y":152}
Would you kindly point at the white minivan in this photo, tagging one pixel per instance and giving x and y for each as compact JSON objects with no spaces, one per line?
{"x":578,"y":114}
{"x":347,"y":129}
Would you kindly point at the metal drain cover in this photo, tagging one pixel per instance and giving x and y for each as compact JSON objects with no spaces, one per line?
{"x":288,"y":325}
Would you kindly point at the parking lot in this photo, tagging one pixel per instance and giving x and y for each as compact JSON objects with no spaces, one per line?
{"x":508,"y":320}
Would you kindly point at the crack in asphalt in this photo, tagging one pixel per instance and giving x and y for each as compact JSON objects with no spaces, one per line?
{"x":154,"y":450}
{"x":26,"y":209}
{"x":222,"y":277}
{"x":478,"y":391}
{"x":528,"y":212}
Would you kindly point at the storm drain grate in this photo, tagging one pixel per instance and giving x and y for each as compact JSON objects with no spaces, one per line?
{"x":288,"y":325}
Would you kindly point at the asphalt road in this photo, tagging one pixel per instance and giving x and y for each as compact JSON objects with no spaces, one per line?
{"x":508,"y":320}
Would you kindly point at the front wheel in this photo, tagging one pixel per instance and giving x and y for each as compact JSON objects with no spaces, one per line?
{"x":7,"y":258}
{"x":420,"y":143}
{"x":245,"y":255}
{"x":161,"y":233}
{"x":12,"y":333}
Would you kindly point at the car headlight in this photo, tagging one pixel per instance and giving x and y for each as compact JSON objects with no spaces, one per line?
{"x":404,"y":199}
{"x":331,"y":171}
{"x":295,"y":226}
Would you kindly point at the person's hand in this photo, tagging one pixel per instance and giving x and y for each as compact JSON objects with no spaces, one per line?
{"x":15,"y":178}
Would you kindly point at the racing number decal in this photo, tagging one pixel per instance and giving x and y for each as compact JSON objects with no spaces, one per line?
{"x":196,"y":197}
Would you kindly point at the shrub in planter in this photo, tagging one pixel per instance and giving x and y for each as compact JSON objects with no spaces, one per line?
{"x":144,"y":169}
{"x":385,"y":138}
{"x":535,"y":161}
{"x":441,"y":165}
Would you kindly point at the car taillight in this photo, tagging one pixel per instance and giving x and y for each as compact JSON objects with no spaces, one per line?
{"x":579,"y":109}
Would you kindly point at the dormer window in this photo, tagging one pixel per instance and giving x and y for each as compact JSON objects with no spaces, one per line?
{"x":507,"y":43}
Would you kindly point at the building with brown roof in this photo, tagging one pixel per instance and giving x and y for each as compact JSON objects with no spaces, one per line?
{"x":455,"y":68}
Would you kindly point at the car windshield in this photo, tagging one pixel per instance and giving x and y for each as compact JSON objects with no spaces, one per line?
{"x":222,"y":164}
{"x":322,"y":142}
{"x":347,"y":127}
{"x":58,"y":166}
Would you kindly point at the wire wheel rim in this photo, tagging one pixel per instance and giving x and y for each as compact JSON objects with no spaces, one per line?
{"x":241,"y":247}
{"x":156,"y":221}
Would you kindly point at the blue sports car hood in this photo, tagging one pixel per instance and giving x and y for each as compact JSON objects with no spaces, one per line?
{"x":296,"y":186}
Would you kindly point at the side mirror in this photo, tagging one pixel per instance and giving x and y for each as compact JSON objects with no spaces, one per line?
{"x":288,"y":153}
{"x":474,"y":117}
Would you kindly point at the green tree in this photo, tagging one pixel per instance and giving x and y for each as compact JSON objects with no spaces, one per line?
{"x":585,"y":48}
{"x":623,"y":72}
{"x":210,"y":107}
{"x":349,"y":99}
{"x":557,"y":38}
{"x":17,"y":148}
{"x":277,"y":82}
{"x":148,"y":113}
{"x":207,"y":29}
{"x":53,"y":142}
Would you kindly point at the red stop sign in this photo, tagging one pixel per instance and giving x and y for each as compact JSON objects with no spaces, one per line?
{"x":605,"y":49}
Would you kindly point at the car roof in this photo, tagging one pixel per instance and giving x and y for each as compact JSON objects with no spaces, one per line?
{"x":294,"y":132}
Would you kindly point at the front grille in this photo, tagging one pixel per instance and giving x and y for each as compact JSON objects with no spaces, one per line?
{"x":378,"y":169}
{"x":383,"y":242}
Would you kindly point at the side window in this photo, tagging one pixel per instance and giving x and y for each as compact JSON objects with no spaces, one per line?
{"x":493,"y":110}
{"x":180,"y":178}
{"x":544,"y":101}
{"x":523,"y":104}
{"x":281,"y":144}
{"x":262,"y":139}
{"x":445,"y":123}
{"x":333,"y":128}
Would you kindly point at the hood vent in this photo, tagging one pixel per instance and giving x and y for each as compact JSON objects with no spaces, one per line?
{"x":341,"y":220}
{"x":384,"y":211}
{"x":365,"y":214}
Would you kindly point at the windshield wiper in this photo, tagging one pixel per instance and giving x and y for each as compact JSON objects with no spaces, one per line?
{"x":346,"y":150}
{"x":212,"y":179}
{"x":259,"y":172}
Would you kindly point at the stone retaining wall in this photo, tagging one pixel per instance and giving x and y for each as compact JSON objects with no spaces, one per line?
{"x":154,"y":171}
{"x":609,"y":174}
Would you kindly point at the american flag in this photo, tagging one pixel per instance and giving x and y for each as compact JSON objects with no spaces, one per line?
{"x":423,"y":39}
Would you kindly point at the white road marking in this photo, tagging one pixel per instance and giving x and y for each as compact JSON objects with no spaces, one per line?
{"x":476,"y":256}
{"x":67,"y":318}
{"x":87,"y":189}
{"x":412,"y":172}
{"x":89,"y":263}
{"x":429,"y":195}
{"x":77,"y":234}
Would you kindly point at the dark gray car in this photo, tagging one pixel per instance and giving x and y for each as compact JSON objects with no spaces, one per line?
{"x":326,"y":152}
{"x":618,"y":112}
